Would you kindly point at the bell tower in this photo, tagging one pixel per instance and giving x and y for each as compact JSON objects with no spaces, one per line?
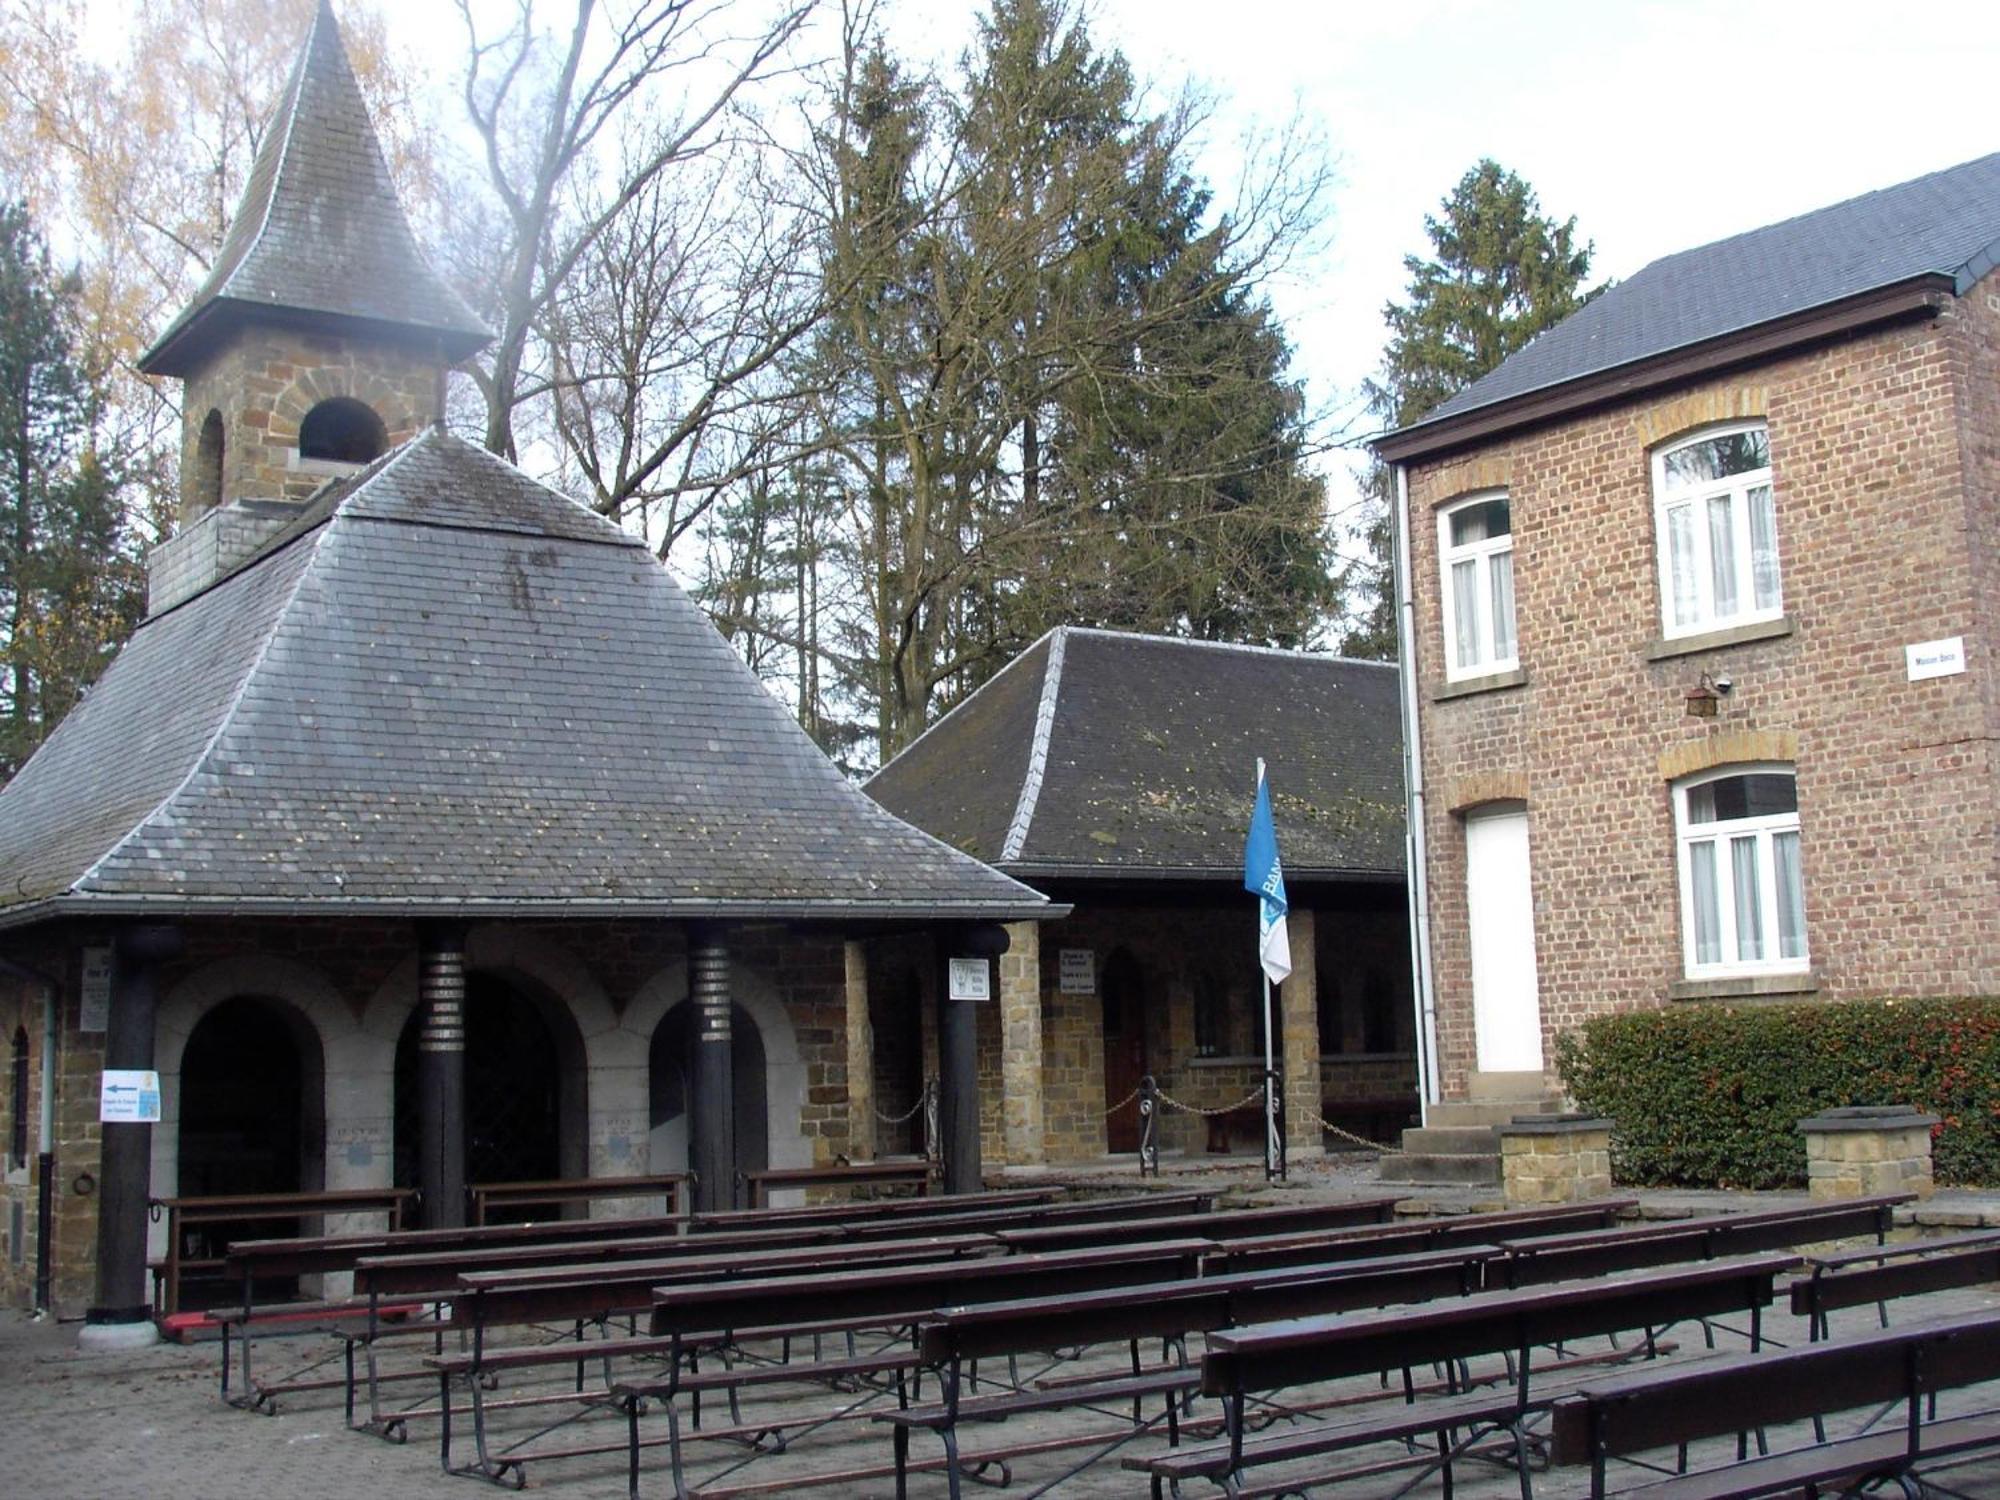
{"x":319,"y":339}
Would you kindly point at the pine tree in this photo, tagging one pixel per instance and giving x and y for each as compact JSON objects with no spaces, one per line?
{"x":1500,"y":272}
{"x":71,"y":586}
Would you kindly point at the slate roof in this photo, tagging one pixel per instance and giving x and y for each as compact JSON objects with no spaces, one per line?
{"x":449,"y":690}
{"x":1102,"y":754}
{"x":1947,"y":223}
{"x":320,"y":231}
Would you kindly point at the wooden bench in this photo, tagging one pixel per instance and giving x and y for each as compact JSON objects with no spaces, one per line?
{"x":1318,"y":1247}
{"x":952,"y":1340}
{"x":1886,"y":1273}
{"x":566,"y":1191}
{"x":730,"y":1220}
{"x":184,"y":1214}
{"x":1714,"y":1397}
{"x":1261,"y":1360}
{"x":1229,"y":1224}
{"x":913,"y":1172}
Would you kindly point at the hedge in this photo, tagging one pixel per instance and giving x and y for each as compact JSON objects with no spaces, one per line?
{"x":1711,"y":1096}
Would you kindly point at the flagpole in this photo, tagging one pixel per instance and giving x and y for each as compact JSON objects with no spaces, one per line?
{"x":1270,"y":1102}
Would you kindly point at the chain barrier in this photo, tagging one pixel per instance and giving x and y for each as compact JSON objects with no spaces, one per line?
{"x":1255,"y":1096}
{"x":905,"y":1117}
{"x":1360,"y":1140}
{"x":1122,"y":1103}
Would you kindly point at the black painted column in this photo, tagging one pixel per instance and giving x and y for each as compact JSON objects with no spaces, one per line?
{"x":958,"y":1055}
{"x":441,"y":1074}
{"x":123,"y":1311}
{"x":712,"y":1120}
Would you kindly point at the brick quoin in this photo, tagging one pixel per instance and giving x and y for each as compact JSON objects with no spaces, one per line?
{"x":1885,"y":449}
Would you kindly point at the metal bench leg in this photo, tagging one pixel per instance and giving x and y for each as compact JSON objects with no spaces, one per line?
{"x":902,"y":1449}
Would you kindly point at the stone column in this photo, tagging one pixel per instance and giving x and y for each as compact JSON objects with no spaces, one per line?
{"x":1298,"y":999}
{"x":1555,"y":1159}
{"x":860,"y":1056}
{"x":441,"y":1074}
{"x":1865,"y":1150}
{"x":122,"y":1317}
{"x":1021,"y":1045}
{"x":712,"y":1118}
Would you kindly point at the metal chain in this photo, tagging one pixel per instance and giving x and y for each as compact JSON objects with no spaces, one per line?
{"x":905,"y":1117}
{"x":1348,"y":1135}
{"x":1194,"y":1109}
{"x":1122,"y":1102}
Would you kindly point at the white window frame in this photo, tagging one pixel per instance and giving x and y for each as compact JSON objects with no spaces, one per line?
{"x":1487,"y":664}
{"x":1721,"y":834}
{"x":1736,"y":488}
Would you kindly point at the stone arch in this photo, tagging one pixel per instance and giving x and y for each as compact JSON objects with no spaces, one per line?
{"x":342,"y":430}
{"x":1707,"y":408}
{"x":315,"y":1009}
{"x":315,"y":387}
{"x":784,"y":1068}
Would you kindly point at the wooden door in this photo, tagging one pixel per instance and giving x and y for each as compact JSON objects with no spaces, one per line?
{"x":1124,"y":1048}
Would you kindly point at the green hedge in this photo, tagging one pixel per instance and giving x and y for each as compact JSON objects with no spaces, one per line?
{"x":1711,"y":1096}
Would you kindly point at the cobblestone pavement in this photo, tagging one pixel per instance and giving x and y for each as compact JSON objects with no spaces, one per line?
{"x":150,"y":1424}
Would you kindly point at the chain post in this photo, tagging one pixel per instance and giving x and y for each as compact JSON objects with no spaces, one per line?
{"x":932,"y":1145}
{"x":1149,"y":1127}
{"x":1274,"y":1160}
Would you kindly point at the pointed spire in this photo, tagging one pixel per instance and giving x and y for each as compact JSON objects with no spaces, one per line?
{"x":320,"y":238}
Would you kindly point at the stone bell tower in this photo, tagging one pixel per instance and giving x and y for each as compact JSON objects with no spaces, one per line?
{"x":320,"y":338}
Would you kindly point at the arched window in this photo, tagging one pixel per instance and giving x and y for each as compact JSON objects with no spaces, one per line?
{"x":1742,"y":893}
{"x":342,"y":431}
{"x":1718,"y":531}
{"x":206,"y":491}
{"x":17,"y":1138}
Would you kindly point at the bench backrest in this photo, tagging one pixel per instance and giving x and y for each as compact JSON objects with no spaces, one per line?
{"x":1308,"y":1349}
{"x":1269,"y":1251}
{"x":1146,"y":1206}
{"x":1654,"y":1407}
{"x":306,"y":1256}
{"x":731,"y":1219}
{"x":1855,"y":1286}
{"x":1227,"y":1224}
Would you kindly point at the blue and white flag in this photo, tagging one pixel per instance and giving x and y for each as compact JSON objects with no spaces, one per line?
{"x":1264,"y":878}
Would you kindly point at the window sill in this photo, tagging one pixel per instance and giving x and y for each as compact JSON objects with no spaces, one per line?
{"x":1492,"y":682}
{"x":1745,"y":986}
{"x":1714,"y":640}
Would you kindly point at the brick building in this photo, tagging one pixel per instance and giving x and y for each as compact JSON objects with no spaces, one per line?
{"x":1698,"y":597}
{"x":424,"y":831}
{"x":1116,"y":772}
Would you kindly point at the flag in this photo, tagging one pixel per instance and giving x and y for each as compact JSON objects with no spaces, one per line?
{"x":1263,"y":877}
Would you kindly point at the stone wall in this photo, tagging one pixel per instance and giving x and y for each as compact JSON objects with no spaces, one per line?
{"x":1886,"y":455}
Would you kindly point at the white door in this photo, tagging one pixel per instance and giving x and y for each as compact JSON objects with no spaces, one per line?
{"x":1500,"y":918}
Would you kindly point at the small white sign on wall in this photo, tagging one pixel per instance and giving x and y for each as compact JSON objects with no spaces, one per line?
{"x":129,"y":1096}
{"x":1945,"y":658}
{"x":96,"y":993}
{"x":1078,"y":970}
{"x":969,"y":979}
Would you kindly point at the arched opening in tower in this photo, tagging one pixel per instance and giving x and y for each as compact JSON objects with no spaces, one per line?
{"x":342,"y":430}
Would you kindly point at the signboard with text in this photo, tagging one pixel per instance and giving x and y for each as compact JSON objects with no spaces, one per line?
{"x":96,"y":991}
{"x":969,"y":979}
{"x":129,"y":1096}
{"x":1945,"y":658}
{"x":1077,"y":968}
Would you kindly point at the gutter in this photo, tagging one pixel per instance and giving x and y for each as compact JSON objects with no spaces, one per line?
{"x":1424,"y":997}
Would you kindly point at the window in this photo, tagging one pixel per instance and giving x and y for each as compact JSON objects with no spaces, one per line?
{"x":1718,"y":531}
{"x":1742,"y":899}
{"x":17,"y":1140}
{"x":1476,"y":547}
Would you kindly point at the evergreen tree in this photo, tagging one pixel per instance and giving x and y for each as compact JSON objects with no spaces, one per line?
{"x":1499,"y":273}
{"x":71,"y":585}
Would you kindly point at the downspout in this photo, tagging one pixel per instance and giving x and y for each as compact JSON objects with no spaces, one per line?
{"x":1416,"y":848}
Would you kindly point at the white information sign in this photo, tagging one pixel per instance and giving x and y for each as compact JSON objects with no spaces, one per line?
{"x":1078,"y":968}
{"x":1944,"y":658}
{"x":129,"y":1097}
{"x":96,"y":990}
{"x":970,"y":979}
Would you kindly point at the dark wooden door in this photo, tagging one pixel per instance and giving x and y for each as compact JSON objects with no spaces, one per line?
{"x":1124,"y":1049}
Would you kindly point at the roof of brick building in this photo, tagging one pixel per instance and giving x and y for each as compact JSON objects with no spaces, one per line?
{"x":1099,"y":753}
{"x":448,"y":689}
{"x":1945,"y":225}
{"x":320,"y":235}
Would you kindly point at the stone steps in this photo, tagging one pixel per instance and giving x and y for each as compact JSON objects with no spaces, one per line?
{"x":1459,"y":1141}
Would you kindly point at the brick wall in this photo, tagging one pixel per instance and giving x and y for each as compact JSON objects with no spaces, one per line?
{"x":1883,"y":450}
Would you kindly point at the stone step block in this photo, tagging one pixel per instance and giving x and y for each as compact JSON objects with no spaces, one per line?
{"x":1440,"y":1168}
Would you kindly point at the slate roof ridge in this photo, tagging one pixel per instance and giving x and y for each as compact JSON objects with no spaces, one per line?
{"x":1332,"y":658}
{"x":951,"y":713}
{"x":1038,"y":749}
{"x":513,"y":471}
{"x":223,"y":720}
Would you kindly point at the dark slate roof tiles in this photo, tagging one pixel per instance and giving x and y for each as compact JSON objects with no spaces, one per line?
{"x":320,"y":229}
{"x":461,"y":689}
{"x":1149,"y":762}
{"x":1946,"y":223}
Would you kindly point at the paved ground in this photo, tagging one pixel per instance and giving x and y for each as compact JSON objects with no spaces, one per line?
{"x":150,"y":1425}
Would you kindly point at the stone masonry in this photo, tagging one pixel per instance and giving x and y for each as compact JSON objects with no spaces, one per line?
{"x":1862,"y":1151}
{"x":1555,"y":1159}
{"x":1885,"y":448}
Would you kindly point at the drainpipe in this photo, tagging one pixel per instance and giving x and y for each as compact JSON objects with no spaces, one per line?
{"x":1416,"y":848}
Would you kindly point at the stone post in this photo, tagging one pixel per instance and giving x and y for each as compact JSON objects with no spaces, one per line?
{"x":712,"y":1117}
{"x":1555,"y":1159}
{"x":441,"y":1075}
{"x":1021,"y":1045}
{"x":1864,"y":1150}
{"x":860,"y":1056}
{"x":122,"y":1316}
{"x":1298,"y":999}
